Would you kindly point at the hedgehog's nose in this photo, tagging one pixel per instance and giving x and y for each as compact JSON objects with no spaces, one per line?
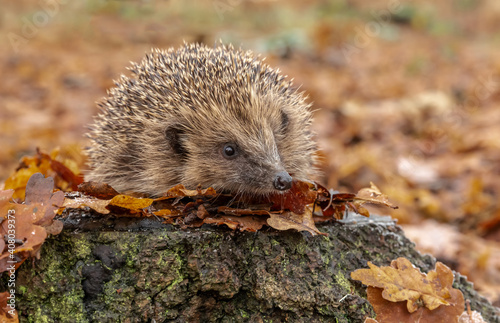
{"x":282,"y":181}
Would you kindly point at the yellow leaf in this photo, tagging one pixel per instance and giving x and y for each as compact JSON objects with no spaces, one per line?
{"x":131,"y":203}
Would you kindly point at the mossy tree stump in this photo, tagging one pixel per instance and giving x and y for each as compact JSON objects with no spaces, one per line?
{"x":140,"y":270}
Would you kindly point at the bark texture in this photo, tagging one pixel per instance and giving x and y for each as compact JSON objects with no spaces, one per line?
{"x":140,"y":270}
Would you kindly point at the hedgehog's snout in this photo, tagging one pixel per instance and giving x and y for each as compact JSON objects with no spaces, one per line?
{"x":282,"y":181}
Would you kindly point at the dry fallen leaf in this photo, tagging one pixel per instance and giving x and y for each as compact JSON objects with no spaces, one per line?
{"x":290,"y":220}
{"x":39,"y":192}
{"x":130,"y":203}
{"x":163,"y":213}
{"x":65,"y":179}
{"x":296,"y":198}
{"x":401,"y":290}
{"x":372,"y":195}
{"x":242,"y":223}
{"x":75,"y":203}
{"x":388,"y":312}
{"x":101,"y":191}
{"x":403,"y":282}
{"x":26,"y":225}
{"x":472,"y":317}
{"x":233,"y":211}
{"x":8,"y":314}
{"x":193,"y":208}
{"x":181,"y":191}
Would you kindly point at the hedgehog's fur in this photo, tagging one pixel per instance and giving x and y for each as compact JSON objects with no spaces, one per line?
{"x":168,"y":123}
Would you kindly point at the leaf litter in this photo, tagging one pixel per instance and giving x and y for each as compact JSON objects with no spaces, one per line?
{"x":300,"y":208}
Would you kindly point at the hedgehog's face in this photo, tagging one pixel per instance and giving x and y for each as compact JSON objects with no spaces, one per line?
{"x":248,"y":154}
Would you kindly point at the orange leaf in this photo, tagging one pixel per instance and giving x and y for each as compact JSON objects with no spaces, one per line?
{"x":131,"y":203}
{"x":8,"y":314}
{"x":388,"y":312}
{"x":163,"y":213}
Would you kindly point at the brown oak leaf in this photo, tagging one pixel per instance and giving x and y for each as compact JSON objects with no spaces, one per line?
{"x":290,"y":220}
{"x":401,"y":290}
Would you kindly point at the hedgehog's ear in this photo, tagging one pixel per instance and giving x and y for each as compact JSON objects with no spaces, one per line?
{"x":173,"y":134}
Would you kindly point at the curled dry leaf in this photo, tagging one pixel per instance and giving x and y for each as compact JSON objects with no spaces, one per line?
{"x":372,"y":195}
{"x":333,"y":205}
{"x":402,"y":293}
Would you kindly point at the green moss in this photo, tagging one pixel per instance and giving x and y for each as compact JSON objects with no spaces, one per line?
{"x":284,"y":264}
{"x":301,"y":248}
{"x":244,"y":314}
{"x":342,"y":281}
{"x":39,"y":317}
{"x":326,"y":259}
{"x":69,"y":307}
{"x":81,"y":248}
{"x":176,"y":267}
{"x":22,"y":290}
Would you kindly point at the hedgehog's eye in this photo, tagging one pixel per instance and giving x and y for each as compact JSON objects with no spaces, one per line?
{"x":229,"y":151}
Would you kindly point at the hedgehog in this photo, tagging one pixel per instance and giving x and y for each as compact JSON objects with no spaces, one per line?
{"x":197,"y":115}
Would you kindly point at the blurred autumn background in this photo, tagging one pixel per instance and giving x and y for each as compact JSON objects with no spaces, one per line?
{"x":406,"y":95}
